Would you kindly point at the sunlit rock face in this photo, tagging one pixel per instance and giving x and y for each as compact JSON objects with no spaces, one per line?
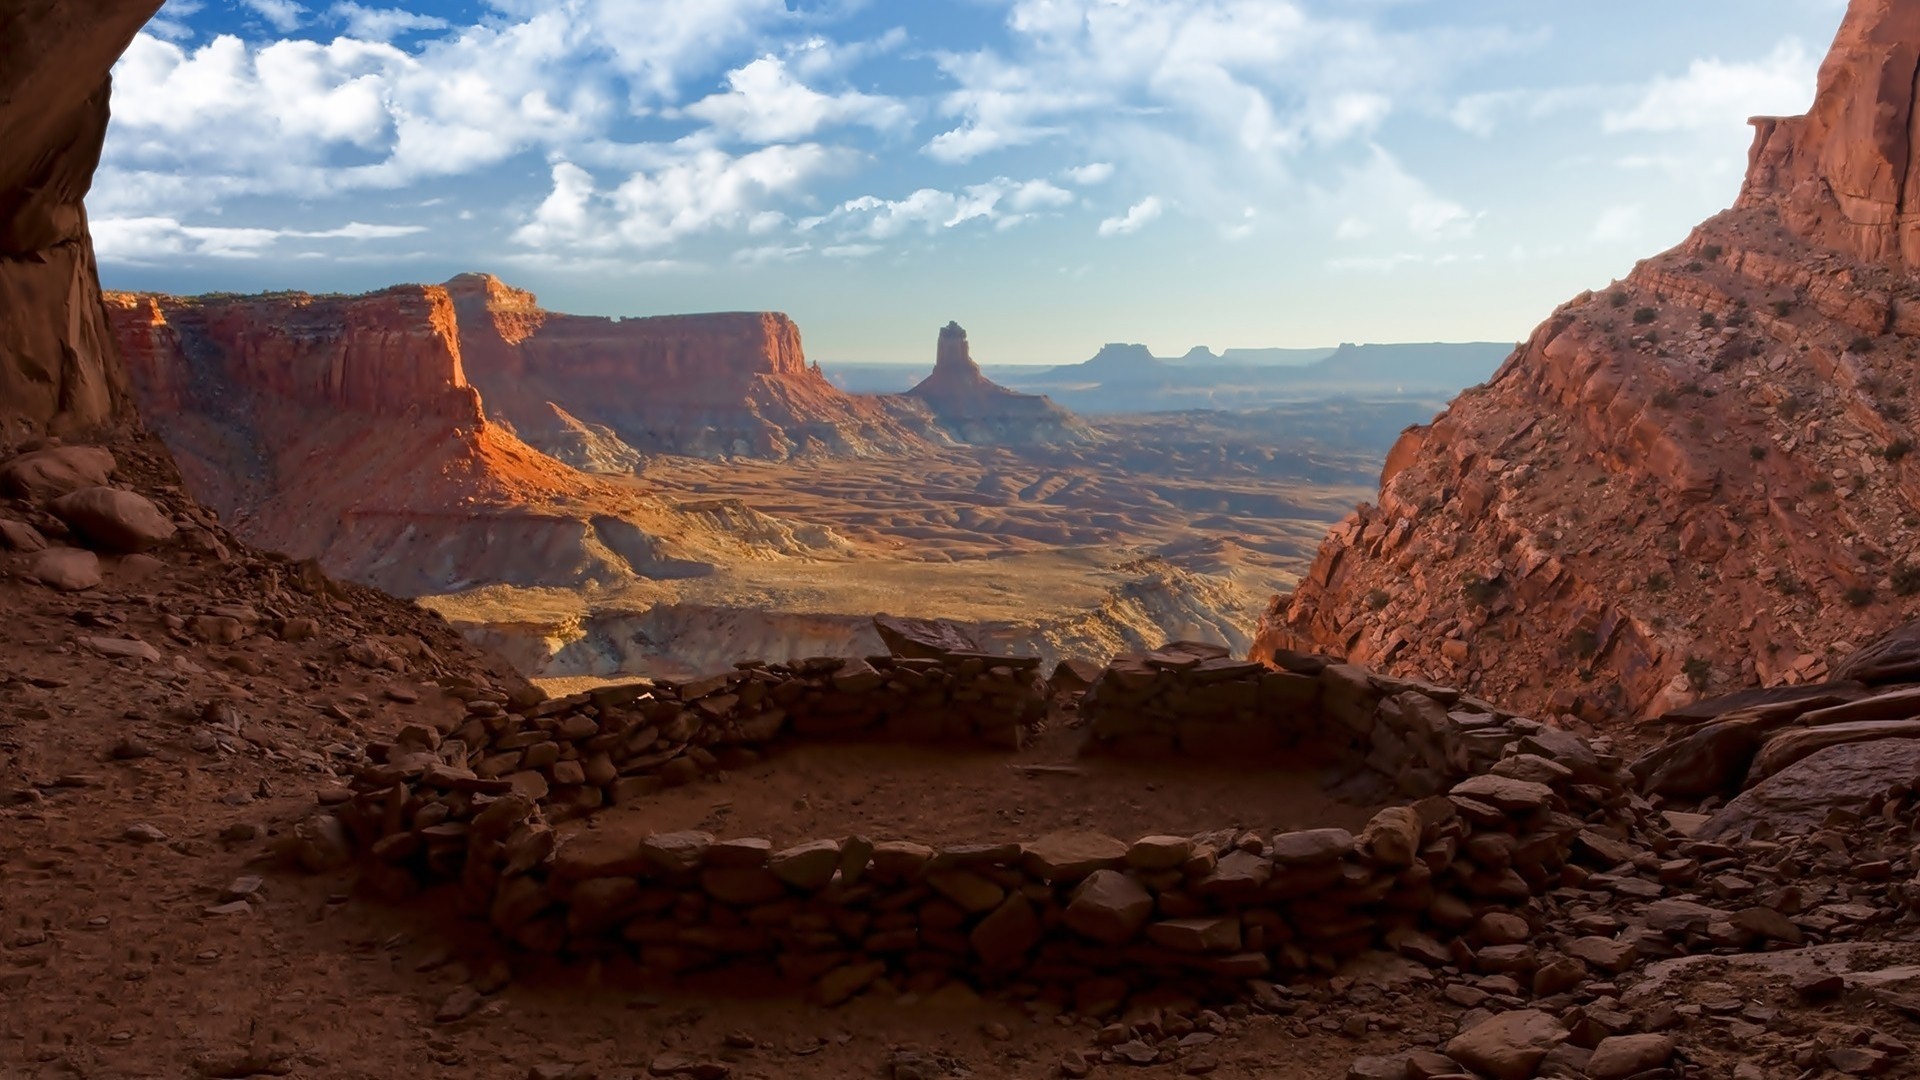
{"x":1698,"y":479}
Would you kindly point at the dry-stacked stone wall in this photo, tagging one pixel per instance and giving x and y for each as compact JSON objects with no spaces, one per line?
{"x":1080,"y":917}
{"x":575,"y":754}
{"x":1196,"y":701}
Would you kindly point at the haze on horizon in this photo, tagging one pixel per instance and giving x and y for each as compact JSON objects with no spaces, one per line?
{"x":1054,"y":174}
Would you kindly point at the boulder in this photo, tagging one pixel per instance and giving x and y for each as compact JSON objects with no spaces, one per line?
{"x":1797,"y":744}
{"x":67,"y":569}
{"x":20,"y":536}
{"x":56,"y":471}
{"x":117,"y":520}
{"x":1799,"y":797}
{"x":1892,"y":658}
{"x":1509,"y":1046}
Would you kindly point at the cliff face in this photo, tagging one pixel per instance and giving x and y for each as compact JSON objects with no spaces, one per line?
{"x":344,"y":428}
{"x":971,"y":408}
{"x":701,"y":385}
{"x":58,"y":372}
{"x":1843,"y":176}
{"x":1696,"y":480}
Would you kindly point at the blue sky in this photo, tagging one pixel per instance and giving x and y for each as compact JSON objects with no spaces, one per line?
{"x":1054,"y":174}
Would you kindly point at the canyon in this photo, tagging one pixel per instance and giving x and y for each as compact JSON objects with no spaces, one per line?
{"x":1695,"y":480}
{"x":666,"y":496}
{"x":302,"y":827}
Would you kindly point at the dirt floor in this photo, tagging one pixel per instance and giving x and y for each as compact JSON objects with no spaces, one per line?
{"x":949,"y":796}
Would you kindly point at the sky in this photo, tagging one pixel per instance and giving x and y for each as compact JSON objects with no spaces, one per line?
{"x":1053,"y":174}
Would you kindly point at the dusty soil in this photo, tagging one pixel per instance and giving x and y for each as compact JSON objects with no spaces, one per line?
{"x":119,"y":958}
{"x":955,"y":796}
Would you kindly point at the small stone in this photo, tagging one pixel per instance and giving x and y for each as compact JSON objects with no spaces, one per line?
{"x":243,"y":888}
{"x":67,"y":569}
{"x":1623,"y":1056}
{"x":1819,"y":986}
{"x":1381,"y":1068}
{"x":1075,"y":1066}
{"x":459,"y":1005}
{"x":143,"y":833}
{"x":1859,"y":1061}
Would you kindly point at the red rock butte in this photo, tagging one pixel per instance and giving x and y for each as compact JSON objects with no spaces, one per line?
{"x":1696,"y":480}
{"x":977,"y":410}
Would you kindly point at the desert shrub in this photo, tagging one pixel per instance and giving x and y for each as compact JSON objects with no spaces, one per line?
{"x":1711,"y":252}
{"x":1858,"y":596}
{"x":1783,"y":308}
{"x":1707,"y":321}
{"x":1892,"y":410}
{"x":1696,"y":266}
{"x":1665,"y":399}
{"x":1757,"y":452}
{"x":1790,"y":406}
{"x":1861,"y":344}
{"x":1658,"y":582}
{"x":1897,"y":449}
{"x":1822,"y":486}
{"x":1786,"y":584}
{"x":1693,"y":388}
{"x":1584,"y":643}
{"x":1618,"y":298}
{"x":1481,"y":592}
{"x":1906,"y":579}
{"x":1379,"y":598}
{"x":1699,"y":672}
{"x":1645,"y":315}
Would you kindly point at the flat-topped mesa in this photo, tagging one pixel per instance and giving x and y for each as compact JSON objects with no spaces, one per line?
{"x":1844,"y":176}
{"x":394,"y":353}
{"x":974,"y":409}
{"x":1700,"y":479}
{"x":708,"y":385}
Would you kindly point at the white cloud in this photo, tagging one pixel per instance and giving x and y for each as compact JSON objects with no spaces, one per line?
{"x":1618,"y":224}
{"x":1098,"y":172}
{"x":1716,"y":95}
{"x":702,"y":191}
{"x":144,"y":239}
{"x":765,"y":104}
{"x":1000,"y":202}
{"x":1137,"y":217}
{"x":1216,"y":105}
{"x":383,"y":24}
{"x":283,"y":15}
{"x":1379,"y":197}
{"x":170,"y":21}
{"x":817,"y":56}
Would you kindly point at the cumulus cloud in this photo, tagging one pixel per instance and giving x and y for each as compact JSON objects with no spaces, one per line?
{"x":764,"y":103}
{"x":1137,"y":217}
{"x":705,"y":190}
{"x":1379,"y":198}
{"x":1718,"y":94}
{"x":1098,"y":172}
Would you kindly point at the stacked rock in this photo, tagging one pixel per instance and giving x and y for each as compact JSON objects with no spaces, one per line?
{"x":1194,"y":700}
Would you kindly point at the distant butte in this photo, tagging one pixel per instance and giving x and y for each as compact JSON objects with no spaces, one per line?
{"x":974,"y":409}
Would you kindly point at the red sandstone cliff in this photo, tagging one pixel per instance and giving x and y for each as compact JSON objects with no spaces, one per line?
{"x":344,"y":428}
{"x":703,"y":385}
{"x":58,"y":372}
{"x":971,"y":408}
{"x":1698,"y":479}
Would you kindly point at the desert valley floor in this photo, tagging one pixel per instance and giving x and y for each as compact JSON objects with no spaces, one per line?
{"x":1175,"y":526}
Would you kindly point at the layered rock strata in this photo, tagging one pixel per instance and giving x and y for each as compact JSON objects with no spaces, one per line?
{"x":344,"y":428}
{"x":1698,"y":479}
{"x":718,"y":385}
